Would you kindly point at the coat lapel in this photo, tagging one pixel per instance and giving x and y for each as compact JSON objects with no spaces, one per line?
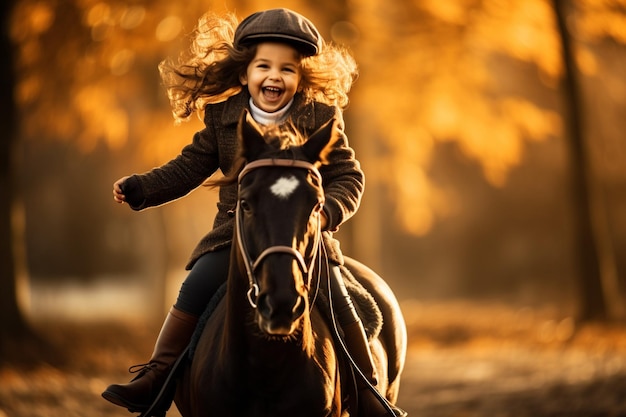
{"x":234,"y":106}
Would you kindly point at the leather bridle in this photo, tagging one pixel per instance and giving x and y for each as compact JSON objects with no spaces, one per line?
{"x":253,"y":264}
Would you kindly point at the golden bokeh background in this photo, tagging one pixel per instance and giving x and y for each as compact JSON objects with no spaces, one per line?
{"x":462,"y":117}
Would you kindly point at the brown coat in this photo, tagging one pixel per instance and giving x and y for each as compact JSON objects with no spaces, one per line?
{"x":215,"y":147}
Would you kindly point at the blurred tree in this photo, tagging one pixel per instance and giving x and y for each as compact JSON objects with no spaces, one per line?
{"x":593,"y":304}
{"x":90,"y":48}
{"x":15,"y":333}
{"x":461,"y":72}
{"x":8,"y":305}
{"x":441,"y":65}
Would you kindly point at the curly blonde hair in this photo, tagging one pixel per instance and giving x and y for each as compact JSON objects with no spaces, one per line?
{"x":210,"y":71}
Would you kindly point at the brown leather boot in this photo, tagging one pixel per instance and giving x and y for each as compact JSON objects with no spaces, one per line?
{"x":174,"y":337}
{"x":369,"y":404}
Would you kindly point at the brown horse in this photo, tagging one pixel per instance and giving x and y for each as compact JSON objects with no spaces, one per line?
{"x":267,"y":348}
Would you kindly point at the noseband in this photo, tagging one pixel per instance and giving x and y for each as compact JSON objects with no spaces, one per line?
{"x":253,"y":264}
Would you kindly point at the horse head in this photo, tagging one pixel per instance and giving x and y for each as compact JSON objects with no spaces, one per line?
{"x":278,"y":224}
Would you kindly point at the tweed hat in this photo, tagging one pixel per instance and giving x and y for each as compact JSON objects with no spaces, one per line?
{"x":281,"y":25}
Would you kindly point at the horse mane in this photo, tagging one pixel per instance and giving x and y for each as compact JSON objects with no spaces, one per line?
{"x":279,"y":137}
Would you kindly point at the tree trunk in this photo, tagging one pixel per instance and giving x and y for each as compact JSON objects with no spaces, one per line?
{"x":18,"y":342}
{"x":593,"y":305}
{"x":11,"y":321}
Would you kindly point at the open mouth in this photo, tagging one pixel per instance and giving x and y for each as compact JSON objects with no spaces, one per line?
{"x":272,"y":93}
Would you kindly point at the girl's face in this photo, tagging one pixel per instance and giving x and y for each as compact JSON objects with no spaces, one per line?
{"x":273,"y":75}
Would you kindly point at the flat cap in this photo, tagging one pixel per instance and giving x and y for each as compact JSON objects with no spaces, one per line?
{"x":279,"y":25}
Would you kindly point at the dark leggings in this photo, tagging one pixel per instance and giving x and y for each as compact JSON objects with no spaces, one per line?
{"x":206,"y":276}
{"x":211,"y":270}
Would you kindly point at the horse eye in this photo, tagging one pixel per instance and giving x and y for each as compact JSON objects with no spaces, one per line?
{"x":244,"y":205}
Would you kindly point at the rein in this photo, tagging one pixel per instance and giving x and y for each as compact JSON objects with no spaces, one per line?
{"x":253,"y":264}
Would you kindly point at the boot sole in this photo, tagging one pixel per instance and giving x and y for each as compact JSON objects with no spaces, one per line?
{"x":117,"y":400}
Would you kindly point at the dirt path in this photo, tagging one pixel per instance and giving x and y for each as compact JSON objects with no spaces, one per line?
{"x":514,"y":382}
{"x":490,"y":361}
{"x":464,"y":360}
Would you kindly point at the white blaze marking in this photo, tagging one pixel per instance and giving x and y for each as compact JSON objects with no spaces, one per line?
{"x":284,"y":187}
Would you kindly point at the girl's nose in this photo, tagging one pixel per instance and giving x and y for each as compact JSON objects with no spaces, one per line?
{"x":274,"y":75}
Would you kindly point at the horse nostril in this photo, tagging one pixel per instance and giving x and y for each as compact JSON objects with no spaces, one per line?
{"x":264,"y":306}
{"x":298,"y":308}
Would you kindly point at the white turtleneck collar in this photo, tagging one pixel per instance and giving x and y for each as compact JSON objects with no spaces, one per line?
{"x":265,"y":118}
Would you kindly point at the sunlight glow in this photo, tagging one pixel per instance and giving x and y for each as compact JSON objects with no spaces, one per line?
{"x":30,"y":53}
{"x":121,"y":62}
{"x":420,"y":217}
{"x":31,"y":19}
{"x":98,"y":14}
{"x":99,"y":18}
{"x":104,"y":119}
{"x":602,"y":18}
{"x":448,"y":11}
{"x":27,"y":90}
{"x":537,"y":124}
{"x":587,"y":62}
{"x":41,"y":18}
{"x":169,"y":28}
{"x":132,"y":17}
{"x":518,"y":28}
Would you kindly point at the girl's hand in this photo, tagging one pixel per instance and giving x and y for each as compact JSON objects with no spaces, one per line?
{"x":118,"y":195}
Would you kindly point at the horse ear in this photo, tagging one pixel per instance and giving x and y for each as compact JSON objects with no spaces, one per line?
{"x":319,"y":144}
{"x":250,"y":136}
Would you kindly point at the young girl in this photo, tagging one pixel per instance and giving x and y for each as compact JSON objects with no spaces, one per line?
{"x":276,"y":65}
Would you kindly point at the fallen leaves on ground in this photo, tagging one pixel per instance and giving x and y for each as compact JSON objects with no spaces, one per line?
{"x":465,"y":359}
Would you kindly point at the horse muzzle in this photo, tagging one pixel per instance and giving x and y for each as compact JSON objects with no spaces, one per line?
{"x":279,"y":315}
